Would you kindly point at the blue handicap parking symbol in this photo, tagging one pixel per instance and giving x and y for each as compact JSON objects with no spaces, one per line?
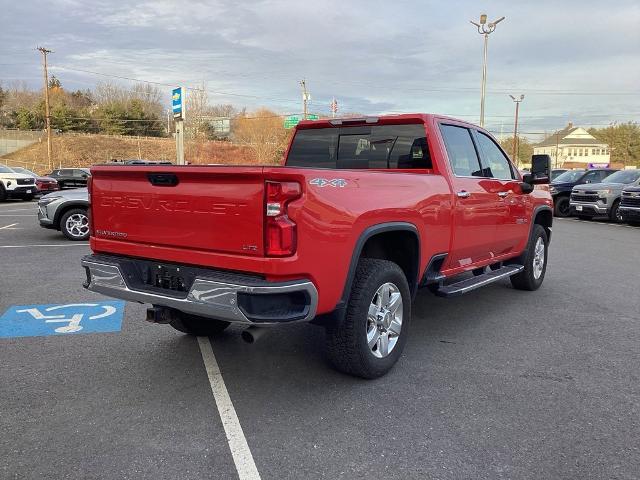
{"x":42,"y":320}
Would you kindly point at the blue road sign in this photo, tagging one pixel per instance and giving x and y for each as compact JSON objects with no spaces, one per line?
{"x":43,"y":320}
{"x":177,"y":101}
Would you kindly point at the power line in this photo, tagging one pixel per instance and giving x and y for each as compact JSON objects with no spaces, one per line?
{"x":195,"y":89}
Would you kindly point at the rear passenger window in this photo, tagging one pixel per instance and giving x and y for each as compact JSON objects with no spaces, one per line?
{"x":314,"y":148}
{"x":460,"y":150}
{"x":494,"y":161}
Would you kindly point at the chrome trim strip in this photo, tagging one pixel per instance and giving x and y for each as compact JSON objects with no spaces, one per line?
{"x":208,"y":298}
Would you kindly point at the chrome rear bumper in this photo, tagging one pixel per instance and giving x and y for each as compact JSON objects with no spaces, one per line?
{"x":207,"y":296}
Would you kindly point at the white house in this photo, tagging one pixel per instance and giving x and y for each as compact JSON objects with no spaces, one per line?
{"x":574,"y":147}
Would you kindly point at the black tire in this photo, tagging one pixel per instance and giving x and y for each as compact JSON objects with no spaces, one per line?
{"x":526,"y":280}
{"x":73,"y":234}
{"x":28,"y":198}
{"x":614,"y":213}
{"x":196,"y":325}
{"x":561,"y":207}
{"x":585,"y":217}
{"x":346,"y":342}
{"x":3,"y":194}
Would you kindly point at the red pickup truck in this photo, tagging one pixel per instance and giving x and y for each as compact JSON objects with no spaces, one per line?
{"x":362,"y":214}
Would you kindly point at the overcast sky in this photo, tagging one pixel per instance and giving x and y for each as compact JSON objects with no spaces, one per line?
{"x":574,"y":60}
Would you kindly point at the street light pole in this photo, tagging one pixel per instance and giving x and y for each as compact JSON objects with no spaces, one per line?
{"x":515,"y":128}
{"x":485,"y":29}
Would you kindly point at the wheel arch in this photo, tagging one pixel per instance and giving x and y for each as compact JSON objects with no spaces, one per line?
{"x":543,"y":215}
{"x":65,"y":208}
{"x":398,"y":242}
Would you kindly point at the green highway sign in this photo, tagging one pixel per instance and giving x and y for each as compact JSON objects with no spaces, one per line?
{"x":292,"y":120}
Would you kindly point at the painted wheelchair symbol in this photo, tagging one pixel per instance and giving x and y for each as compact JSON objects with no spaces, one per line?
{"x":72,"y":323}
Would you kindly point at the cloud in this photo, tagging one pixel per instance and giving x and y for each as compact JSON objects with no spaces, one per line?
{"x":374,"y":56}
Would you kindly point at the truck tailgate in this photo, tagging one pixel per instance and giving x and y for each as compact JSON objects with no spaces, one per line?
{"x":205,"y":208}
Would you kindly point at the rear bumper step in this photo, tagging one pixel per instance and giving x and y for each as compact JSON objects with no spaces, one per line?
{"x":243,"y":300}
{"x":469,"y":284}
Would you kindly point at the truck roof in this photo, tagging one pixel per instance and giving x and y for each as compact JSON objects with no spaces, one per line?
{"x":377,"y":120}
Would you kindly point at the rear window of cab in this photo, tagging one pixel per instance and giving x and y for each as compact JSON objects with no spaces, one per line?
{"x":374,"y":147}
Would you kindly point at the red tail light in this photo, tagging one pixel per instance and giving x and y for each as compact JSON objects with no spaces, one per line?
{"x":280,"y":232}
{"x":89,"y":215}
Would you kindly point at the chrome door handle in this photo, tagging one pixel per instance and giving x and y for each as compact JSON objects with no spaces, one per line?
{"x":463,"y":194}
{"x":503,"y":194}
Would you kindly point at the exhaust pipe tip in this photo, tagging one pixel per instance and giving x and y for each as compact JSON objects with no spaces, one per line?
{"x":253,"y":334}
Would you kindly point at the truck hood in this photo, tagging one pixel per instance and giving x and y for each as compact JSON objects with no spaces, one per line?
{"x":13,"y":176}
{"x":561,"y":185}
{"x":599,"y":186}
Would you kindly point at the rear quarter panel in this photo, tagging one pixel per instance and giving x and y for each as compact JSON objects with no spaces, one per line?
{"x":331,"y":218}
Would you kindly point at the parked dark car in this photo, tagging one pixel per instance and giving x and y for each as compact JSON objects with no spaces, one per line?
{"x":71,"y":177}
{"x":43,"y":184}
{"x":630,"y":206}
{"x":66,"y":211}
{"x":561,"y":187}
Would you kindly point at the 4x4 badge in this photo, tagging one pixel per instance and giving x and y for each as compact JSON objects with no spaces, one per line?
{"x":323,"y":182}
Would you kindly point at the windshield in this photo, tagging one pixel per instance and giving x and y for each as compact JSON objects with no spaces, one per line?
{"x":569,"y":176}
{"x":5,"y":169}
{"x":623,"y":176}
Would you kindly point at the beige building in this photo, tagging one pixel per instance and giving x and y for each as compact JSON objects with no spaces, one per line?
{"x":574,"y":147}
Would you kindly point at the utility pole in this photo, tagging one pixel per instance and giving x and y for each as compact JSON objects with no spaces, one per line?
{"x":485,"y":29}
{"x":305,"y":98}
{"x":47,"y":114}
{"x":515,"y":128}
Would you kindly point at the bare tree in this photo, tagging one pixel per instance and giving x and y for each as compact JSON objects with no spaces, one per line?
{"x":264,"y":133}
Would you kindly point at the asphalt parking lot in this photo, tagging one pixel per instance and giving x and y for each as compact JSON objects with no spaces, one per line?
{"x":496,"y":384}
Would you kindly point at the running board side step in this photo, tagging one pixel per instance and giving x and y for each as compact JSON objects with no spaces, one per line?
{"x":469,"y":284}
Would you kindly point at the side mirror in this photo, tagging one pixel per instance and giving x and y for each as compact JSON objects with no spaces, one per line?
{"x":540,"y":170}
{"x":527,"y":183}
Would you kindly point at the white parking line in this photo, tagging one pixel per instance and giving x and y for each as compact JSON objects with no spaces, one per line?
{"x":48,"y":245}
{"x":17,"y":215}
{"x":9,"y":227}
{"x":245,"y":465}
{"x":20,"y":210}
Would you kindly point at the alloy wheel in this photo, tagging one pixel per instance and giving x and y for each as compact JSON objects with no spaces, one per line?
{"x":538,"y":258}
{"x":384,"y":320}
{"x":77,"y":225}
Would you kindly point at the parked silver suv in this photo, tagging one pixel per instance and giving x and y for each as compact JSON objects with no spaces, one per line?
{"x":66,"y":211}
{"x":594,"y":199}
